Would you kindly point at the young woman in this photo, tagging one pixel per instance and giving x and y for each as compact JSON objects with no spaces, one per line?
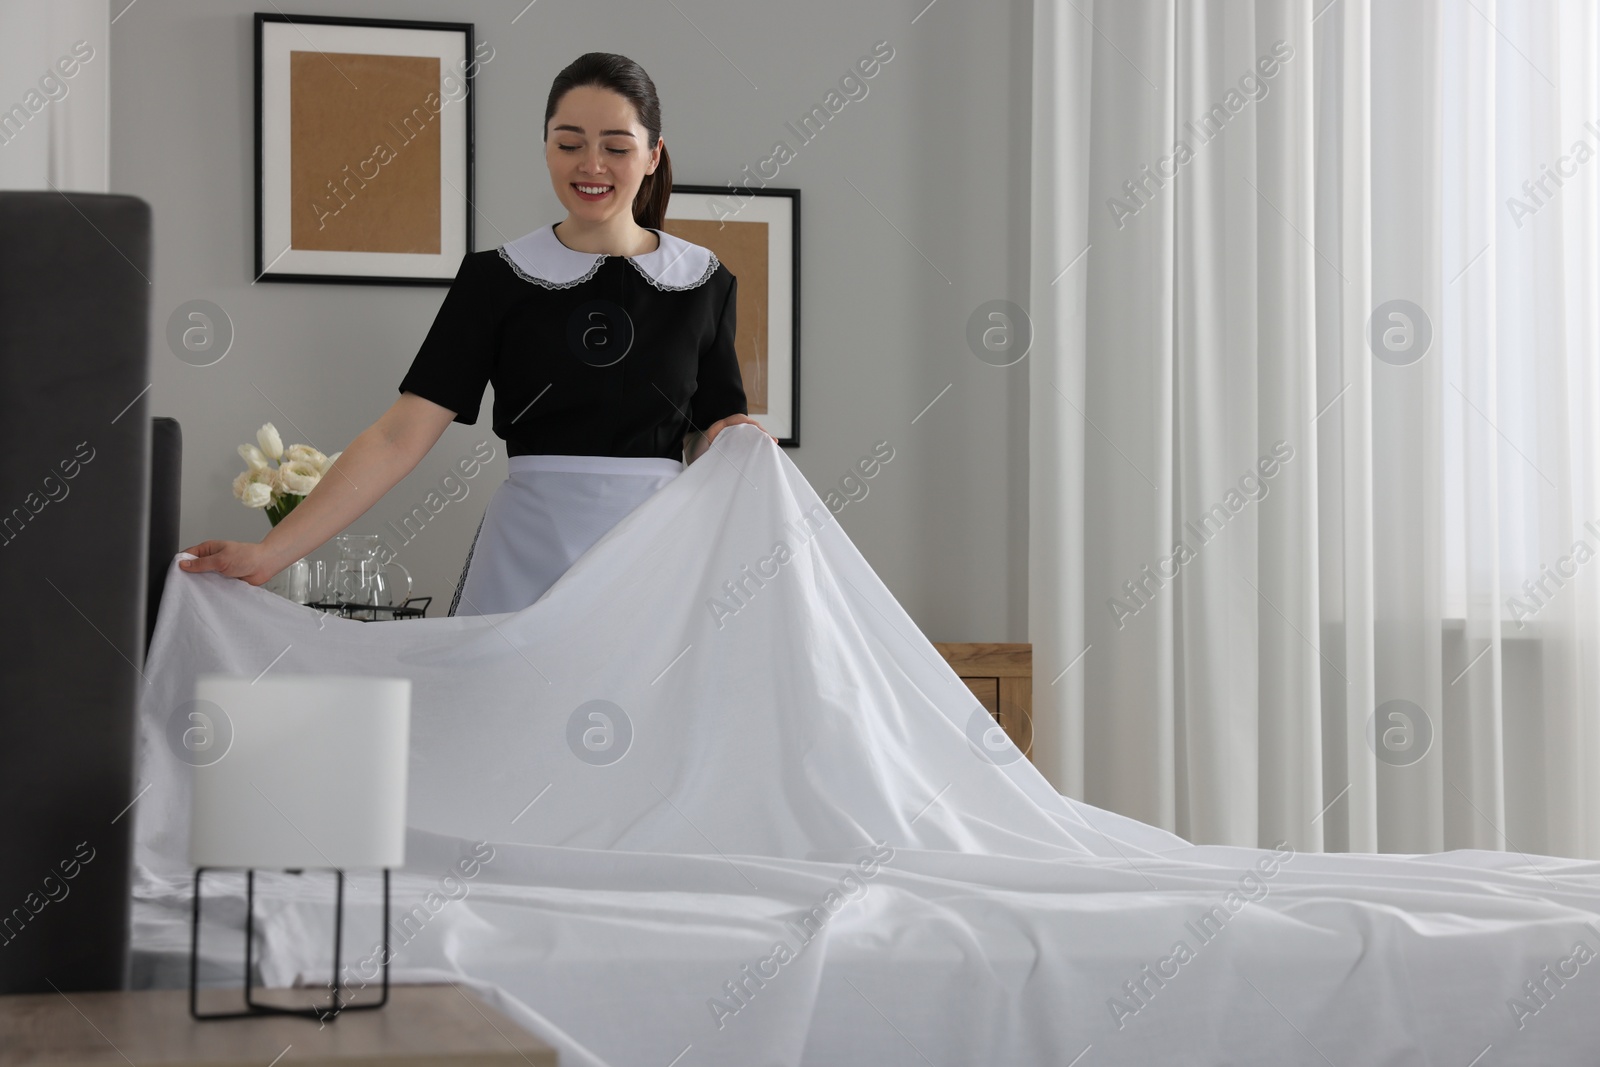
{"x":610,"y":344}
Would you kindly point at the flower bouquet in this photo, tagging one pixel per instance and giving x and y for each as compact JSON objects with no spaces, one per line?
{"x":278,"y":488}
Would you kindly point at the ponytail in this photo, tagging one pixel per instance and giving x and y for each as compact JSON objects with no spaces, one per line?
{"x":650,"y":202}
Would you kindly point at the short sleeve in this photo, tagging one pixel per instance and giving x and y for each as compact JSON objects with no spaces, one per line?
{"x":719,"y":389}
{"x":453,"y":366}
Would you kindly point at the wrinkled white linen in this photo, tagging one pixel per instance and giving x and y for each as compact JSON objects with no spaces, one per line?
{"x":801,"y":754}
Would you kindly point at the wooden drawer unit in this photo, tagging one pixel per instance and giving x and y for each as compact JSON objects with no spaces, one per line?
{"x":1001,"y":677}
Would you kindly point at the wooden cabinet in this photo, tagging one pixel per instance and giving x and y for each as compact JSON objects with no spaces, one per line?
{"x":1001,"y":677}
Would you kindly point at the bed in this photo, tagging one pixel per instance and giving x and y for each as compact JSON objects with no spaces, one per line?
{"x":814,"y":847}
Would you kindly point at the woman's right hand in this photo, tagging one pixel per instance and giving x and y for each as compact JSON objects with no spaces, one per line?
{"x":246,"y":560}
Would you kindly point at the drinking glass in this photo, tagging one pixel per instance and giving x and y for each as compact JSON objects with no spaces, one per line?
{"x":387,"y":587}
{"x":319,"y":583}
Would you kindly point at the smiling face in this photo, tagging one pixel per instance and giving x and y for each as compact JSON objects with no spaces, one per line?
{"x":594,"y":142}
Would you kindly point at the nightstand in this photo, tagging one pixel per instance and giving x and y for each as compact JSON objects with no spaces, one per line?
{"x":1001,"y":677}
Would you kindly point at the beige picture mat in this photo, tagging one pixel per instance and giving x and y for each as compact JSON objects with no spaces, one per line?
{"x":365,"y":152}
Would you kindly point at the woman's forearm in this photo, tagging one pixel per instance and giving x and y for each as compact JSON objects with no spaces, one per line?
{"x":366,"y":470}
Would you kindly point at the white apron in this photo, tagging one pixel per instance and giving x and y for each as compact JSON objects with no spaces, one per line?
{"x":546,"y":514}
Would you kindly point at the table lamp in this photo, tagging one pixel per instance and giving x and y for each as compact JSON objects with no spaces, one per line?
{"x":313,"y":776}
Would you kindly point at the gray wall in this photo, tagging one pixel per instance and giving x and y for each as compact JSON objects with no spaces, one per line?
{"x":914,"y":211}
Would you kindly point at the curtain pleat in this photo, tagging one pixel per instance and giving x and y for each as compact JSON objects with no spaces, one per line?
{"x":1314,"y":408}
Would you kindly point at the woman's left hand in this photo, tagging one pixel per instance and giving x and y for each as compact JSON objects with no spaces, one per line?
{"x":732,"y":420}
{"x":720,"y":424}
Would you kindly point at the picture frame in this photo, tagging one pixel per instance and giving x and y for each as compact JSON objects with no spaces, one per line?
{"x":756,"y":235}
{"x":363,"y":149}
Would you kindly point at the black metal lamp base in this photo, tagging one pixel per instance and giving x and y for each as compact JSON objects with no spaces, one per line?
{"x":253,"y":1007}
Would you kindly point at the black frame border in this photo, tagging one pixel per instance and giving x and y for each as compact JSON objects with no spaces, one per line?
{"x":470,"y":74}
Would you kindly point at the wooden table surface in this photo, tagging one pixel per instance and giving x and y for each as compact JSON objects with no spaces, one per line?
{"x":421,"y":1026}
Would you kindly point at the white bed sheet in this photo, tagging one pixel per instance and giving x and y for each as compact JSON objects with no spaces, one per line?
{"x":777,"y":743}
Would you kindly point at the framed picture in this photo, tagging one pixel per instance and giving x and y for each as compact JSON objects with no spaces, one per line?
{"x":363,"y":149}
{"x":756,"y":235}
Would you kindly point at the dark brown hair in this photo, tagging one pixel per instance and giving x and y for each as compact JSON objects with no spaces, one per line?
{"x":621,"y":75}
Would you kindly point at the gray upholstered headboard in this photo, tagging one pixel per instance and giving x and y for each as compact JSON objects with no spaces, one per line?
{"x":74,"y":555}
{"x":166,"y":476}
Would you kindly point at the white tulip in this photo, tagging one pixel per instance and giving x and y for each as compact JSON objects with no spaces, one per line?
{"x":329,"y":461}
{"x":267,"y":437}
{"x":253,"y":476}
{"x":299,"y":477}
{"x":257,"y":495}
{"x":307,"y":453}
{"x":253,"y":457}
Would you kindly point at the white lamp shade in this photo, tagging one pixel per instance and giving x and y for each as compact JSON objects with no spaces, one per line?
{"x":313,"y":773}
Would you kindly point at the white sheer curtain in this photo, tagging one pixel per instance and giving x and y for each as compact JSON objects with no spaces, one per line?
{"x":1315,"y":519}
{"x":53,"y":126}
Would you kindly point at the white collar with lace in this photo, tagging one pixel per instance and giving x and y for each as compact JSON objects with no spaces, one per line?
{"x":541,"y":258}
